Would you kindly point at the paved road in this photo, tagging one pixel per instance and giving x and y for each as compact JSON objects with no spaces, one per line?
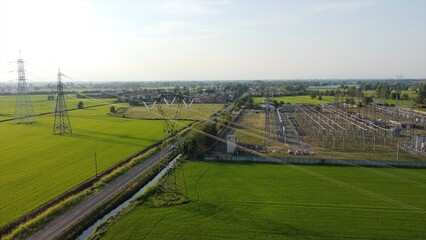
{"x":56,"y":227}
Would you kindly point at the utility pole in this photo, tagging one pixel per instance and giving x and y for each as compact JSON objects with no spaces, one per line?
{"x":397,"y":150}
{"x":96,"y":166}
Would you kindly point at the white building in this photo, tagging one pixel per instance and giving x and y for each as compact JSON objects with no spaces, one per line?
{"x":231,"y":141}
{"x":419,"y":142}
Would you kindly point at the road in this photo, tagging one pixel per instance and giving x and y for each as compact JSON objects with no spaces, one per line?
{"x":56,"y":227}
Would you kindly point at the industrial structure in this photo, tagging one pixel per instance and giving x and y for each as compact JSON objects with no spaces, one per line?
{"x":173,"y":185}
{"x":62,"y":123}
{"x":24,"y":113}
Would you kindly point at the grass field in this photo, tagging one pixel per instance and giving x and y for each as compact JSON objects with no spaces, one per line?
{"x":299,"y":99}
{"x":371,"y":93}
{"x":37,"y":166}
{"x":195,"y":112}
{"x":268,"y":201}
{"x":330,"y":99}
{"x":41,"y":105}
{"x":255,"y":123}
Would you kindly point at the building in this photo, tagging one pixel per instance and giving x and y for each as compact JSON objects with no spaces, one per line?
{"x":230,"y":143}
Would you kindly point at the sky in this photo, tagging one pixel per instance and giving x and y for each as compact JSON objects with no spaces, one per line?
{"x":118,"y":40}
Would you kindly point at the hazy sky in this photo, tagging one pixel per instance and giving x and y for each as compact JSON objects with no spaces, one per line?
{"x":217,"y":39}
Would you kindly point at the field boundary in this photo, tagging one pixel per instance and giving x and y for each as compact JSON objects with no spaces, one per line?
{"x":321,"y":161}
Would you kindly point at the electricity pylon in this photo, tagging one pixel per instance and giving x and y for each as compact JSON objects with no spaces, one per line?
{"x":172,"y":186}
{"x":62,"y":123}
{"x":24,"y":113}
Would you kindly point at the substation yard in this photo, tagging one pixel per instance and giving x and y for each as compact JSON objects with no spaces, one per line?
{"x":270,"y":201}
{"x":36,"y":166}
{"x":334,"y":133}
{"x":260,"y":131}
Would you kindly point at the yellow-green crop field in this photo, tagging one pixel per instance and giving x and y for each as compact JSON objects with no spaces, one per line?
{"x":194,"y":112}
{"x":270,"y":201}
{"x":41,"y":105}
{"x":299,"y":99}
{"x":36,"y":166}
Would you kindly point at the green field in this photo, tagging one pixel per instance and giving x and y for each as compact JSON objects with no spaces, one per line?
{"x":371,"y":93}
{"x":41,"y":105}
{"x":299,"y":99}
{"x":268,"y":201}
{"x":254,"y":124}
{"x":195,"y":112}
{"x":37,"y":166}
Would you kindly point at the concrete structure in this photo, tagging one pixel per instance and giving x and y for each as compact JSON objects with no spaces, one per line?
{"x":419,"y":142}
{"x":288,"y":108}
{"x":230,"y":143}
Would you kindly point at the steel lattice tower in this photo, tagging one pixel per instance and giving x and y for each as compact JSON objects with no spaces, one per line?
{"x":62,"y":123}
{"x":24,"y":112}
{"x":172,"y":185}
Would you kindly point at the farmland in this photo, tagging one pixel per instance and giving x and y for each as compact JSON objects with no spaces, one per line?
{"x":195,"y":112}
{"x":254,"y":123}
{"x":38,"y":166}
{"x":298,"y":99}
{"x":269,"y":201}
{"x":41,"y":105}
{"x":306,"y":99}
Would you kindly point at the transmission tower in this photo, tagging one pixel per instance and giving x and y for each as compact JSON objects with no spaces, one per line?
{"x":62,"y":123}
{"x":24,"y":113}
{"x":172,"y":186}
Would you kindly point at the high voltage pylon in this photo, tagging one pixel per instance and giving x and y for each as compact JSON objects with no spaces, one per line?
{"x":172,"y":186}
{"x":62,"y":123}
{"x":24,"y":113}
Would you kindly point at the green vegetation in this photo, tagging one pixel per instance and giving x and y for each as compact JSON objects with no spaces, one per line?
{"x":254,"y":123}
{"x":196,"y":145}
{"x":38,"y":166}
{"x":269,"y":201}
{"x":42,"y":105}
{"x":195,"y":112}
{"x":299,"y":99}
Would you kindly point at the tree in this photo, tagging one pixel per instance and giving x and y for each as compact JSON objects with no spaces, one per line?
{"x":350,"y":101}
{"x":404,"y":96}
{"x":211,"y":129}
{"x":319,"y":97}
{"x":351,"y":91}
{"x":367,"y":100}
{"x":112,"y":109}
{"x":422,"y":93}
{"x":276,"y":104}
{"x":191,"y":148}
{"x":80,"y":105}
{"x":383,"y":91}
